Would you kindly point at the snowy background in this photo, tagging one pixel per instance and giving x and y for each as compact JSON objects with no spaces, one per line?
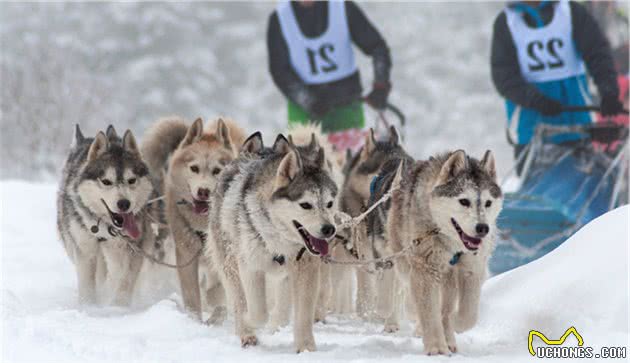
{"x":130,"y":63}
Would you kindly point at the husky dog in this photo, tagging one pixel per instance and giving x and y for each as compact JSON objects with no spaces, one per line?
{"x":359,"y":172}
{"x":101,"y":208}
{"x":273,"y":217}
{"x":460,"y":197}
{"x":187,"y":162}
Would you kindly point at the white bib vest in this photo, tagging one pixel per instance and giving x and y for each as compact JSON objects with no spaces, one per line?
{"x":323,"y":59}
{"x":547,"y":53}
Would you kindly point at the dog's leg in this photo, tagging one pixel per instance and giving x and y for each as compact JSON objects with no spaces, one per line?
{"x":281,"y":304}
{"x":325,"y":287}
{"x":256,"y":296}
{"x":215,"y":298}
{"x":128,"y":281}
{"x":449,"y":299}
{"x":469,"y":289}
{"x":236,"y":296}
{"x":390,"y":291}
{"x":86,"y":277}
{"x":365,"y":294}
{"x":425,"y":289}
{"x":189,"y":280}
{"x":304,"y":286}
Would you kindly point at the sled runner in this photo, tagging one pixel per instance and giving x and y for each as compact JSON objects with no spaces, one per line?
{"x":563,"y":187}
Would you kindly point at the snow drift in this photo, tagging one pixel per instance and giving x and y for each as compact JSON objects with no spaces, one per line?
{"x":583,"y":283}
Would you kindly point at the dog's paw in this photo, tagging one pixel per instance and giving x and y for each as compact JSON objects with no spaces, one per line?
{"x":307,"y":347}
{"x":249,"y":341}
{"x":218,"y":316}
{"x":436,"y":348}
{"x":452,"y":347}
{"x":391,"y":328}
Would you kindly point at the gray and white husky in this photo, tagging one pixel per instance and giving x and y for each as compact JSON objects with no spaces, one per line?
{"x":101,"y":207}
{"x":459,"y":196}
{"x":273,"y":217}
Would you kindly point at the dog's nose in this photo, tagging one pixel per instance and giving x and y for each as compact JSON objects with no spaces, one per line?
{"x":328,"y":230}
{"x":482,"y":229}
{"x":123,"y":205}
{"x":203,"y":193}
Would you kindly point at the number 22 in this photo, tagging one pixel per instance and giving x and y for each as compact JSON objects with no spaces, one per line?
{"x":552,"y":46}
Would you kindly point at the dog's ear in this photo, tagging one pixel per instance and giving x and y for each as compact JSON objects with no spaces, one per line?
{"x":453,"y":166}
{"x":111,"y":133}
{"x":281,"y":146}
{"x":194,"y":132}
{"x":488,"y":165}
{"x":253,"y":144}
{"x":78,"y":137}
{"x":399,"y":174}
{"x":320,"y":159}
{"x":313,"y":145}
{"x":99,"y":146}
{"x":223,"y":134}
{"x":289,"y":168}
{"x":129,"y":143}
{"x":393,"y":136}
{"x":369,"y":146}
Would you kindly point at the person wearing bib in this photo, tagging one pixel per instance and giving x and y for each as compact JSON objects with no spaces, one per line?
{"x":311,"y":61}
{"x":541,"y":53}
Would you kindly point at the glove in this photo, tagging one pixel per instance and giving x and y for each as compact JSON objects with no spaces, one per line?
{"x":377,"y":98}
{"x":610,"y":106}
{"x":548,"y":106}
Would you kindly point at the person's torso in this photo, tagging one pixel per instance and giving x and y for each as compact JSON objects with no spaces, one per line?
{"x":546,"y":53}
{"x":322,"y":59}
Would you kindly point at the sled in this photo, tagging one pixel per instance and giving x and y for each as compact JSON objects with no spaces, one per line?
{"x":563,"y":187}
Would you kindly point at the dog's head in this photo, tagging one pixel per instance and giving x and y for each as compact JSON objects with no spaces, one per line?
{"x":114,"y":183}
{"x":303,"y":199}
{"x":466,"y":200}
{"x":363,"y":167}
{"x":196,"y":164}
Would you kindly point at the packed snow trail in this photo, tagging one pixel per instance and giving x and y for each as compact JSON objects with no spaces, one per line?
{"x":584,"y":283}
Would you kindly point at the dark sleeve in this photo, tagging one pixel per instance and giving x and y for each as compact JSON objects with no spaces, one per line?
{"x":369,"y":40}
{"x":594,"y":49}
{"x":285,"y":78}
{"x":505,"y":69}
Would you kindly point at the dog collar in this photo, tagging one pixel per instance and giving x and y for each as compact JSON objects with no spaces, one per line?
{"x":455,"y":259}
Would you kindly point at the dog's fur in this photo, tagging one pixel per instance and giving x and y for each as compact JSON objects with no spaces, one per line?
{"x":253,"y":234}
{"x":105,"y":169}
{"x":187,"y":161}
{"x":359,"y":171}
{"x":458,"y":195}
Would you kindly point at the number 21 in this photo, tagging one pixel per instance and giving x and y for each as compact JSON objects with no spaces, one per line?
{"x":324,"y":52}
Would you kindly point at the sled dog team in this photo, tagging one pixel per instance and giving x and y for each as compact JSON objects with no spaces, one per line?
{"x":250,"y":220}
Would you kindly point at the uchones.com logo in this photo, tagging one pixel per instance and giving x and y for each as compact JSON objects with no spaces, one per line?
{"x":554,"y":348}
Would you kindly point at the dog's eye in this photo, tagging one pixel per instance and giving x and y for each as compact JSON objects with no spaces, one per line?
{"x":216,"y":171}
{"x":132,"y":181}
{"x":329,"y":205}
{"x":488,"y":203}
{"x":465,"y":202}
{"x":106,"y":182}
{"x":194,"y":169}
{"x":306,"y":206}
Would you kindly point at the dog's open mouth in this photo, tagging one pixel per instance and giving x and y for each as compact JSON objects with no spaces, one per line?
{"x":200,"y":206}
{"x":125,"y":221}
{"x":314,"y":245}
{"x":471,"y":243}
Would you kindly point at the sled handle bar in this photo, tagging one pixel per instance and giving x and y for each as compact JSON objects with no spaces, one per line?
{"x":587,"y":109}
{"x":393,"y":109}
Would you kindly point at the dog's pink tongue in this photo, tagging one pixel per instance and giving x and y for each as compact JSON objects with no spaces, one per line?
{"x":130,"y":226}
{"x":319,"y":245}
{"x":200,"y":207}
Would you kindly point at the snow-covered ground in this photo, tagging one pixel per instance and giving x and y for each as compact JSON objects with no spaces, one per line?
{"x":584,"y":283}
